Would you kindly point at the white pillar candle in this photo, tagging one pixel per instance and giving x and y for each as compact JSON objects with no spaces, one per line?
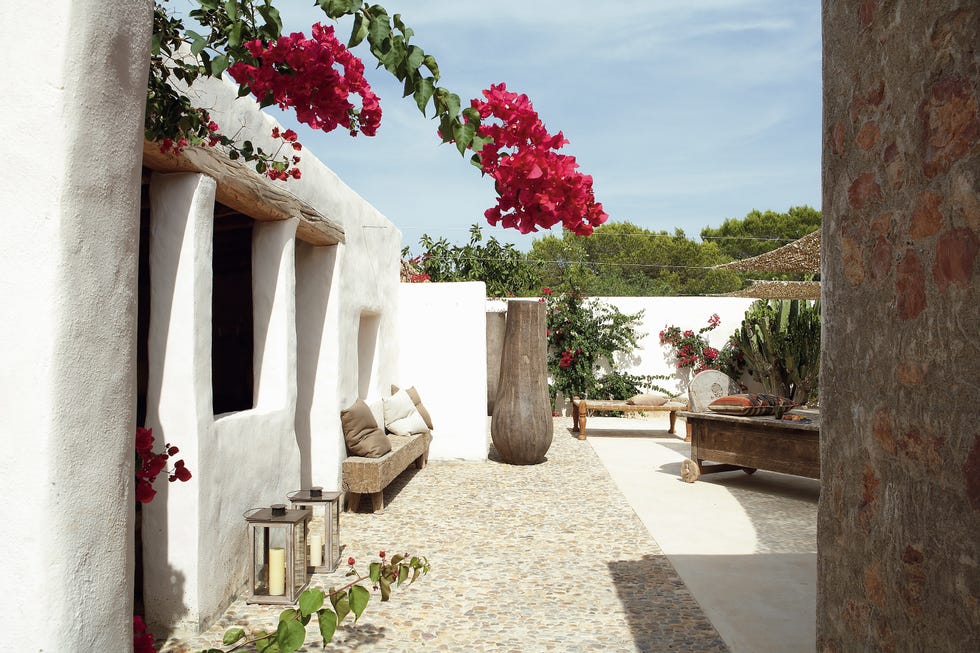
{"x":316,"y":549}
{"x":277,"y":571}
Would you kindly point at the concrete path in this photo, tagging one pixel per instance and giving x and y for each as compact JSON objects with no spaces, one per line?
{"x":745,"y":546}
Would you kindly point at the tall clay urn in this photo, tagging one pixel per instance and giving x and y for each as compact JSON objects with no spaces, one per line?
{"x":521,"y":426}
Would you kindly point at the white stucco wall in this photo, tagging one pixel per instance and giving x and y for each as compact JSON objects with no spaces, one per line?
{"x":443,"y":354}
{"x":685,"y":312}
{"x":71,"y":113}
{"x":308,"y":305}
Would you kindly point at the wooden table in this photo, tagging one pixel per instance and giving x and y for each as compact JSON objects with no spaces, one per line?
{"x":750,"y":443}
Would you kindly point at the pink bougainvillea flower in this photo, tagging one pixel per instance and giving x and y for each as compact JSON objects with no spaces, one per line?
{"x":536,"y":186}
{"x":313,"y":76}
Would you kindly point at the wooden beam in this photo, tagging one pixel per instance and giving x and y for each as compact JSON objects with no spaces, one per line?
{"x":246,"y":191}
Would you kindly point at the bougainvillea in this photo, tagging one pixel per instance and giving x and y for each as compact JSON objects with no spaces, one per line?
{"x":314,"y":77}
{"x":536,"y":186}
{"x":150,"y":464}
{"x":691,"y":349}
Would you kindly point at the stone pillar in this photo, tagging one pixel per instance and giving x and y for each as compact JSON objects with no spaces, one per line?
{"x":899,"y":517}
{"x":72,"y":118}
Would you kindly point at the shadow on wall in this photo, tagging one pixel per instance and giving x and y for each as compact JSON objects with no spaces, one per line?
{"x":314,"y":274}
{"x":367,"y":347}
{"x":164,"y":605}
{"x":655,"y":600}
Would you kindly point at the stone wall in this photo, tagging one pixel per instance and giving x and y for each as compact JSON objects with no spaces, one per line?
{"x":900,"y":507}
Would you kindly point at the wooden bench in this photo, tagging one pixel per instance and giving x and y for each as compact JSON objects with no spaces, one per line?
{"x":372,"y":475}
{"x":581,"y":408}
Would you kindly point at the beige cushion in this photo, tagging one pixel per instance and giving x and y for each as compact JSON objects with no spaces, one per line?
{"x":414,"y":394}
{"x":361,"y":432}
{"x":749,"y":404}
{"x":401,"y":417}
{"x":647,"y":400}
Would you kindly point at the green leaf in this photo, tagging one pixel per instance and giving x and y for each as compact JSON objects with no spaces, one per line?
{"x":198,"y":42}
{"x":472,"y":115}
{"x":231,"y":8}
{"x":235,"y":36}
{"x":464,"y":135}
{"x":310,"y":601}
{"x":232,"y":635}
{"x":385,"y":589}
{"x":430,"y":62}
{"x":338,"y":8}
{"x":290,"y":636}
{"x":219,"y":65}
{"x":358,"y":31}
{"x":359,"y":598}
{"x":423,"y":92}
{"x":374,"y":571}
{"x":328,"y":625}
{"x":342,"y":606}
{"x":289,"y":614}
{"x":402,"y":574}
{"x":272,"y":18}
{"x":415,"y":57}
{"x":379,"y":31}
{"x":407,"y":31}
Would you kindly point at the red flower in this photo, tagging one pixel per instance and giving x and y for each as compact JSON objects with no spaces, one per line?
{"x":381,"y":554}
{"x":142,"y":639}
{"x":350,"y":561}
{"x":546,"y":290}
{"x":275,"y":132}
{"x":144,"y":491}
{"x":289,"y":135}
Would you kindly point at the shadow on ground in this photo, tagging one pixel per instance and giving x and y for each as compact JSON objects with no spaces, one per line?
{"x":661,"y":612}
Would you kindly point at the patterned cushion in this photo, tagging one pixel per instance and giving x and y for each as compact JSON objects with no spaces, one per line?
{"x":749,"y":404}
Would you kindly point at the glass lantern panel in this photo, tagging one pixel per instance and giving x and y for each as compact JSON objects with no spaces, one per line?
{"x":299,"y":562}
{"x":332,"y":545}
{"x":269,"y":555}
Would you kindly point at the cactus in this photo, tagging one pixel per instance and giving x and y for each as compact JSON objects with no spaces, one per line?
{"x":781,"y":343}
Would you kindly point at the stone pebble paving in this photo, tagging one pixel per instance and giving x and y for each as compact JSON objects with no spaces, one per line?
{"x":546,"y":557}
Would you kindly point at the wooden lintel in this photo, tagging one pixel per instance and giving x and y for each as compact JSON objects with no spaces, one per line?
{"x":244,"y":190}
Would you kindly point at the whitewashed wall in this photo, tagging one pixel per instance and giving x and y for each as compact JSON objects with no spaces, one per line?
{"x":443,"y":354}
{"x":71,"y":112}
{"x":685,"y":312}
{"x":658,"y":312}
{"x":310,"y":308}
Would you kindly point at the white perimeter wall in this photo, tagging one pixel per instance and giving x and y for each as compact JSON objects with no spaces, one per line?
{"x":442,"y":328}
{"x":685,"y":312}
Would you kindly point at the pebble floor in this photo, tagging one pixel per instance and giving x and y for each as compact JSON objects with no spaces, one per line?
{"x":546,"y":557}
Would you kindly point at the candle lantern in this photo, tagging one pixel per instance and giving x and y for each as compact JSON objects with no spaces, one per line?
{"x":324,"y":539}
{"x":277,"y":554}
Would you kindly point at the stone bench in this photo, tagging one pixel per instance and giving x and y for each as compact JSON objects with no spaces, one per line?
{"x":372,"y":475}
{"x":581,"y":408}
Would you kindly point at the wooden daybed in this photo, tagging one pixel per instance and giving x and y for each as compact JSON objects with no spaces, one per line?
{"x":581,"y":408}
{"x":372,"y":475}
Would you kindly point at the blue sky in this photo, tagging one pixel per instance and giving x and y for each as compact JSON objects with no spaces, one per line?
{"x":685,"y":112}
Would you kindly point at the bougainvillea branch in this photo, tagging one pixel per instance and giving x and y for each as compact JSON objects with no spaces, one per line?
{"x":315,"y":77}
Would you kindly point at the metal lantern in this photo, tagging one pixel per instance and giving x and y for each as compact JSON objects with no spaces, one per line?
{"x":324,"y":539}
{"x":277,"y":554}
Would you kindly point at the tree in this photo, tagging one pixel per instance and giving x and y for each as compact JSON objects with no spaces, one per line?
{"x":622,"y":259}
{"x":759,"y":232}
{"x":502,"y":267}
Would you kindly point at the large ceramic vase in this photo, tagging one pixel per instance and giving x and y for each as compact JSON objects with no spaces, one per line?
{"x":521,"y":426}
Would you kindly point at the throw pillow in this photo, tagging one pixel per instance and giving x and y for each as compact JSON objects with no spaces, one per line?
{"x":361,"y":432}
{"x":414,"y":394}
{"x":647,"y":400}
{"x":749,"y":404}
{"x":401,"y":417}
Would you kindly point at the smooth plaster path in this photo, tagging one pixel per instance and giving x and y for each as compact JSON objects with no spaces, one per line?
{"x":744,"y":545}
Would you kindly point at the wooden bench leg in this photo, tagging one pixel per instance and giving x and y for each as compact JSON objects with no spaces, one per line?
{"x":378,"y":502}
{"x":353,"y":501}
{"x":673,"y":421}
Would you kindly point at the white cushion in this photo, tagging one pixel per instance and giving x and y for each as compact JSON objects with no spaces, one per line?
{"x":401,"y":416}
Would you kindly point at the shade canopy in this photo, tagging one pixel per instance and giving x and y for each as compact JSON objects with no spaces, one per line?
{"x":799,"y":256}
{"x":780,"y":290}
